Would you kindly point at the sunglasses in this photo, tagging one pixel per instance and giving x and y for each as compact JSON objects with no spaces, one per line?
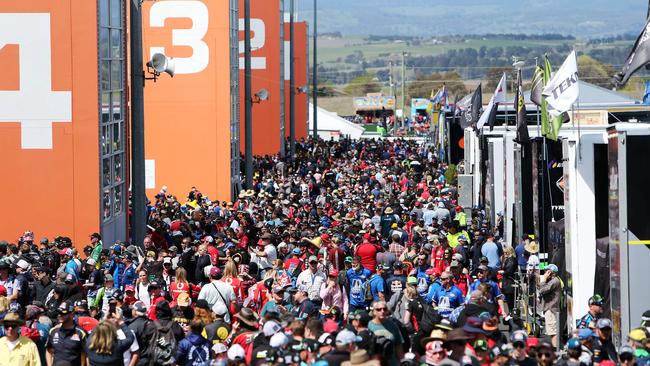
{"x":544,"y":354}
{"x":381,"y":309}
{"x":9,"y":325}
{"x":519,"y":345}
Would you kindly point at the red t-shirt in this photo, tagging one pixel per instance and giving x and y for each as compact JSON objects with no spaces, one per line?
{"x":368,"y":254}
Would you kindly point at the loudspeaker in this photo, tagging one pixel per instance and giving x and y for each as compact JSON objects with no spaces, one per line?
{"x":162,"y":63}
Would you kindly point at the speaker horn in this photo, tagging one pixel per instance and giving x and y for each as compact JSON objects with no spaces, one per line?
{"x":161,"y":63}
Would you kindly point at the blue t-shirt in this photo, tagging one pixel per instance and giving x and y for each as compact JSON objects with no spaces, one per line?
{"x":377,"y":285}
{"x":447,"y":299}
{"x":423,"y":280}
{"x":521,"y":259}
{"x":357,"y":281}
{"x":496,"y":291}
{"x":491,"y":251}
{"x":433,"y":288}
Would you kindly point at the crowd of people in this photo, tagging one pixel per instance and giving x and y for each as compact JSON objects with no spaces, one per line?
{"x":353,"y":253}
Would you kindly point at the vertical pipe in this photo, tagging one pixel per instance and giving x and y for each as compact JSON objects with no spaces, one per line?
{"x":137,"y":127}
{"x":283,"y":116}
{"x":314,"y":97}
{"x":403,"y":89}
{"x":292,"y":82}
{"x":248,"y":95}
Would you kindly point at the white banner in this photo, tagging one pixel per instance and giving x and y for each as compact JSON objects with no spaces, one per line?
{"x":562,"y":90}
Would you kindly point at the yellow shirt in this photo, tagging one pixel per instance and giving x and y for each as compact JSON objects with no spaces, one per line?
{"x":24,"y":354}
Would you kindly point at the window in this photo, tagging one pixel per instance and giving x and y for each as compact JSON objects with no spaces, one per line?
{"x":112,"y":105}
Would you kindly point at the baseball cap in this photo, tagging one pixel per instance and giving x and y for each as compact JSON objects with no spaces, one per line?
{"x":519,"y":336}
{"x":326,"y":339}
{"x":271,"y":327}
{"x":346,"y":337}
{"x":445,"y":275}
{"x":483,"y":268}
{"x":167,"y":260}
{"x":637,"y":335}
{"x":153,"y":284}
{"x":183,"y":299}
{"x":383,"y":266}
{"x":65,"y":308}
{"x":553,"y":268}
{"x":626,"y":349}
{"x":348,"y":259}
{"x":484,"y":259}
{"x":139,"y":307}
{"x":90,"y":262}
{"x":333,"y":272}
{"x":361,"y":315}
{"x":596,"y":300}
{"x":70,"y":278}
{"x":236,"y":353}
{"x":313,"y":258}
{"x":128,"y":288}
{"x":279,"y":340}
{"x":214,"y":271}
{"x":585,"y":333}
{"x":411,"y":280}
{"x":603,"y":323}
{"x":296,"y":251}
{"x":219,"y":348}
{"x":398,"y":265}
{"x":108,"y":278}
{"x":454,"y":264}
{"x":220,"y":308}
{"x":573,"y":343}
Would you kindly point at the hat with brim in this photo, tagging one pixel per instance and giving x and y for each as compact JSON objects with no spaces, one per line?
{"x":389,"y":210}
{"x":12,"y":319}
{"x":457,"y":334}
{"x":360,"y":358}
{"x":532,"y":247}
{"x":436,"y":335}
{"x":247,"y":317}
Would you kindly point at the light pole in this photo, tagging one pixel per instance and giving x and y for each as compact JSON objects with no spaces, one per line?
{"x":138,"y":190}
{"x":248,"y":96}
{"x":292,"y":84}
{"x":314,"y":97}
{"x":404,"y":54}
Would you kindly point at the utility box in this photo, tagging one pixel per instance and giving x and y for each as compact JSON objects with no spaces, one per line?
{"x":465,"y":189}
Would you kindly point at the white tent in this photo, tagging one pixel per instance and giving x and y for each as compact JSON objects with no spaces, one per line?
{"x":330,"y":125}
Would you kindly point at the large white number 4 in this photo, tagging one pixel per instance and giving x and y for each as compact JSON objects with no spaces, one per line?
{"x":34,"y":105}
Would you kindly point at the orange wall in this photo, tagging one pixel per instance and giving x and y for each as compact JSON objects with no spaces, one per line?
{"x":265,"y":74}
{"x":301,"y":78}
{"x":187,"y":117}
{"x":49,"y":185}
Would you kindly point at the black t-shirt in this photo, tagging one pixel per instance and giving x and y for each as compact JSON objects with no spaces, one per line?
{"x":395,"y":283}
{"x":67,"y":344}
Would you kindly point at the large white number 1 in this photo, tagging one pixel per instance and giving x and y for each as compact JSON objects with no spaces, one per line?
{"x":192,"y":37}
{"x":257,"y":42}
{"x":34,"y":105}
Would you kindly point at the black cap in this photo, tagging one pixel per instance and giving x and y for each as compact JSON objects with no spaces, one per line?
{"x":153,"y":284}
{"x":96,"y":235}
{"x":65,"y":308}
{"x":398,"y":265}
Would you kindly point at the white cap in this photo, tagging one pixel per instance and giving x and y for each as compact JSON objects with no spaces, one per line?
{"x":23,"y":264}
{"x":271,"y":327}
{"x":90,"y":262}
{"x":236,"y":353}
{"x":167,"y":260}
{"x":220,"y":308}
{"x":219,"y":348}
{"x":346,"y":337}
{"x":279,"y":339}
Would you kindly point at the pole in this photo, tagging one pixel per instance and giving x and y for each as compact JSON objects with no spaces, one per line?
{"x":248,"y":96}
{"x":390,"y":78}
{"x":137,"y":127}
{"x":539,"y":131}
{"x":403,"y":89}
{"x":314,"y":70}
{"x":292,"y":83}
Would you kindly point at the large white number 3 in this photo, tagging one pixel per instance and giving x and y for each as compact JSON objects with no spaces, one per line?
{"x":257,"y":42}
{"x":35,"y":105}
{"x":192,"y":37}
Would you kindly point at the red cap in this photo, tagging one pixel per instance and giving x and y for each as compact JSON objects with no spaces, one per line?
{"x":532,"y":342}
{"x":325,"y":237}
{"x":129,"y":288}
{"x":433,"y":271}
{"x":333,"y":272}
{"x":3,"y":291}
{"x":214,"y":271}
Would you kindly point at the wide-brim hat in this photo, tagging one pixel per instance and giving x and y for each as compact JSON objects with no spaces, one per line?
{"x":389,"y":210}
{"x":457,"y":334}
{"x":532,"y":247}
{"x":12,"y":318}
{"x":360,"y":358}
{"x":436,"y":335}
{"x":247,"y":316}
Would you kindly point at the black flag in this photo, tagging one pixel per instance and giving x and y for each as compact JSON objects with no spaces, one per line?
{"x":471,"y":108}
{"x":493,"y":115}
{"x":522,"y":126}
{"x":639,"y":57}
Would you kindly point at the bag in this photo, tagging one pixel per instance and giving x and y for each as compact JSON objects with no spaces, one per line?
{"x":163,"y":345}
{"x":430,"y":317}
{"x":367,"y":290}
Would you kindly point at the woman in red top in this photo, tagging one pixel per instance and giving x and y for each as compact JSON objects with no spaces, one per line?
{"x":181,"y":285}
{"x":231,"y":277}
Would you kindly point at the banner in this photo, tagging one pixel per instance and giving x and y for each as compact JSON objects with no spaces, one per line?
{"x":265,"y":74}
{"x":187,"y":117}
{"x":562,"y":90}
{"x":49,"y":119}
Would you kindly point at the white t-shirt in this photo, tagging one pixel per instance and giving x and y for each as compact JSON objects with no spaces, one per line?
{"x":218,"y":291}
{"x":135,"y":347}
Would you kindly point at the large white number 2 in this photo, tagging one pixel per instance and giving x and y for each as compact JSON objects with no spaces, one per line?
{"x":35,"y":105}
{"x":192,"y":37}
{"x":257,"y":42}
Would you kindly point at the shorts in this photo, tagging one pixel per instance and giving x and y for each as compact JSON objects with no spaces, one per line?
{"x":550,"y":317}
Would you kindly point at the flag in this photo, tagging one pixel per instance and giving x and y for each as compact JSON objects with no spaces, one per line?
{"x":440,"y":97}
{"x":639,"y":56}
{"x":489,"y":114}
{"x":470,"y":108}
{"x":550,"y":128}
{"x":562,"y":90}
{"x":522,"y":125}
{"x":537,"y":85}
{"x":646,"y":93}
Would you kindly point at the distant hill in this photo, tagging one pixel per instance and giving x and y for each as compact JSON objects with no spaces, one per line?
{"x":581,"y":18}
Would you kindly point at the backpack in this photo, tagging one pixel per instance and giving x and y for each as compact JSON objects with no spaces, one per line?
{"x":430,"y":317}
{"x":163,"y":345}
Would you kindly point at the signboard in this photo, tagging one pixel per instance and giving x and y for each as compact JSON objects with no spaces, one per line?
{"x":419,"y":104}
{"x":373,"y":102}
{"x":49,"y":119}
{"x":265,"y":74}
{"x":187,"y":117}
{"x":589,"y":118}
{"x":301,"y":81}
